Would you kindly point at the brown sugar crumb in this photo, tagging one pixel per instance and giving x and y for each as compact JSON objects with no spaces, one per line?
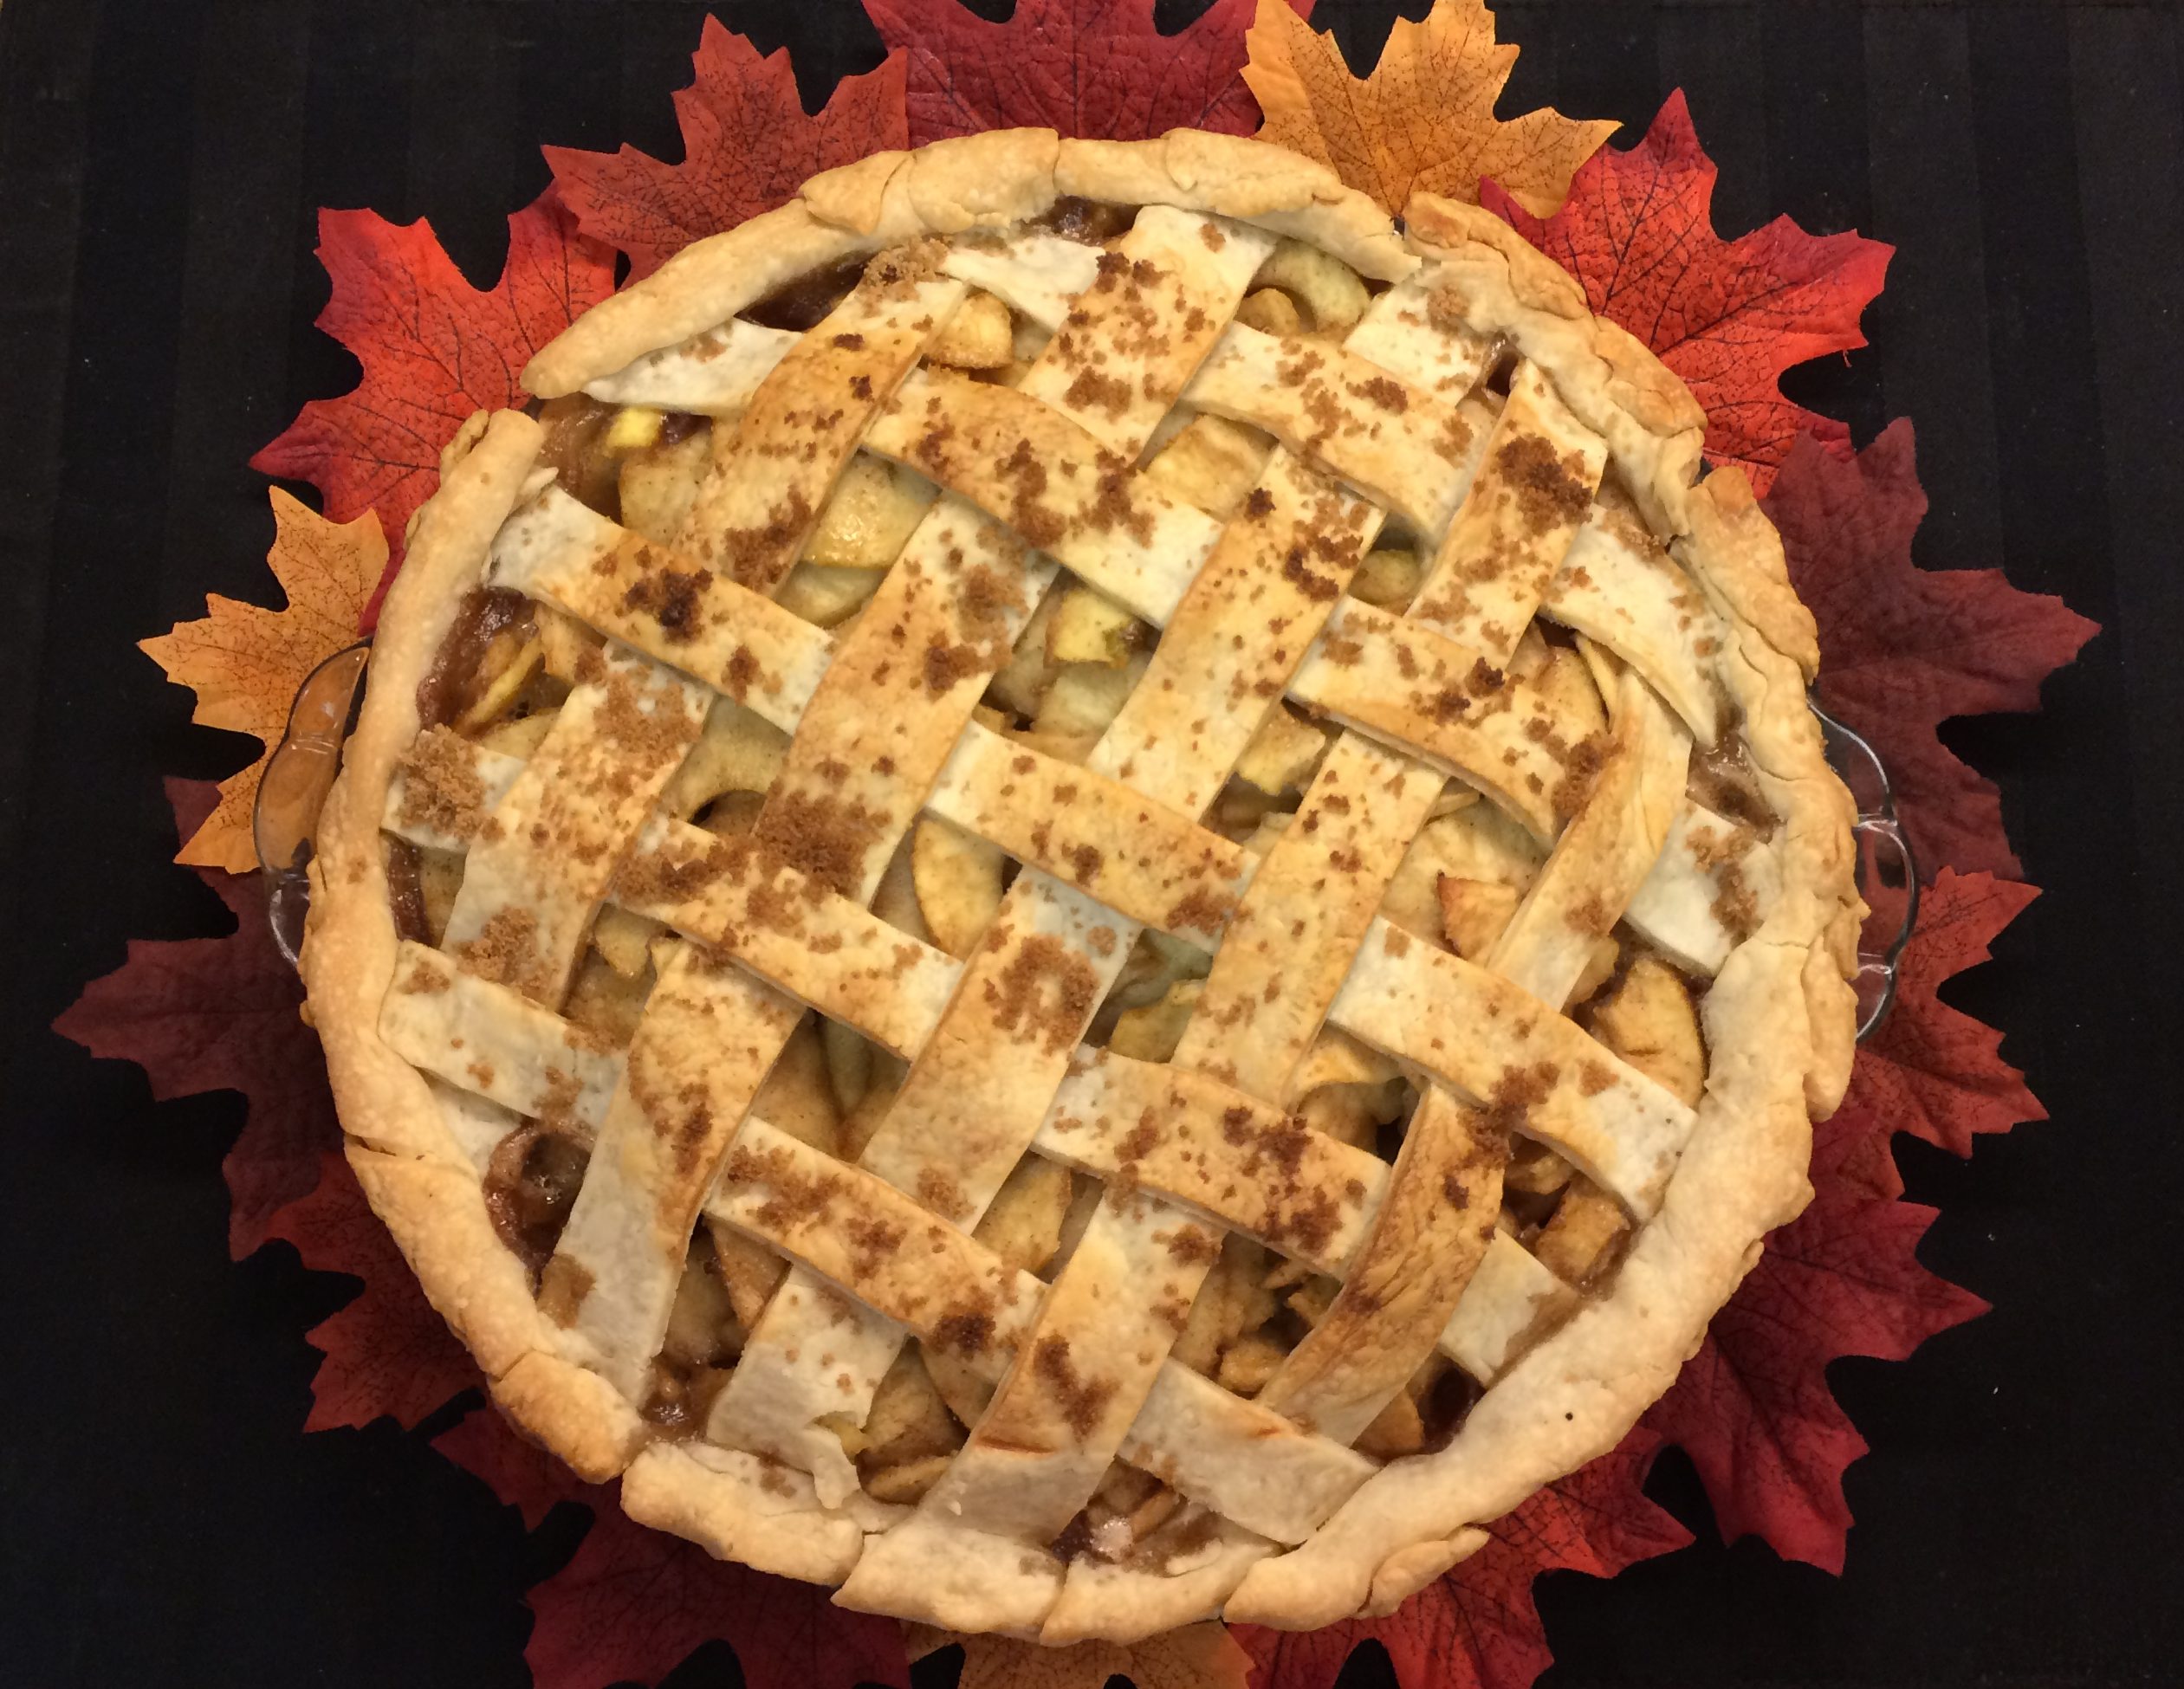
{"x":1551,"y":490}
{"x":1515,"y":1094}
{"x":968,"y":1332}
{"x":440,"y":788}
{"x":825,"y":835}
{"x":1581,"y":766}
{"x":1084,"y":863}
{"x":1736,"y":906}
{"x":742,"y":671}
{"x":671,"y":597}
{"x":946,"y":664}
{"x":424,"y":982}
{"x":1081,"y":1400}
{"x":1091,"y":390}
{"x":756,"y":556}
{"x":1396,"y":942}
{"x":1201,"y":911}
{"x":1318,"y":587}
{"x":1210,"y":233}
{"x":850,"y":342}
{"x":1386,"y":393}
{"x":1028,"y":480}
{"x":1102,"y":940}
{"x":659,"y":878}
{"x":505,"y":950}
{"x":1593,"y":1077}
{"x":1342,"y":653}
{"x":1188,"y":1246}
{"x":1593,"y":917}
{"x":1045,"y":989}
{"x":937,"y":1190}
{"x":1143,"y":1138}
{"x":1114,"y":508}
{"x":1445,"y":309}
{"x":1259,"y":505}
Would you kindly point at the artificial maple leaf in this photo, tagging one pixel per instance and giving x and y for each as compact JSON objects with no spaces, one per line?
{"x":1932,"y":1070}
{"x":1904,"y":648}
{"x":434,"y":350}
{"x":634,"y":1603}
{"x":1753,"y":1407}
{"x":1200,"y":1656}
{"x":388,"y":1352}
{"x":1477,"y":1628}
{"x":201,"y":1014}
{"x":1424,"y":120}
{"x":1096,"y":68}
{"x":1728,"y":316}
{"x":519,"y":1474}
{"x":245,"y":662}
{"x":747,"y":146}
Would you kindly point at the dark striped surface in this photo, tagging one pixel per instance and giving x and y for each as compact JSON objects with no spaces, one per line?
{"x":159,"y":160}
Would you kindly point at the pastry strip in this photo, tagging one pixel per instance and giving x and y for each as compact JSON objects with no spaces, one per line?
{"x":1401,"y":1289}
{"x":1050,"y":479}
{"x":1495,"y":1044}
{"x":770,"y":475}
{"x":495,"y":1042}
{"x":708,"y":1036}
{"x":1604,"y":853}
{"x":671,"y":607}
{"x":542,"y":860}
{"x":1618,"y":585}
{"x":1532,"y":490}
{"x":1149,"y":863}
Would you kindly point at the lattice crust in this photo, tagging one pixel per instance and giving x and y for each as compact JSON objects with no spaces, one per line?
{"x":1324,"y":911}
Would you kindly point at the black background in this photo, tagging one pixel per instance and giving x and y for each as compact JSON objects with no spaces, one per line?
{"x":165,"y":1520}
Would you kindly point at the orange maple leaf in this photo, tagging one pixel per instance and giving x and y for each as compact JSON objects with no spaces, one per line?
{"x":245,"y":662}
{"x":1200,"y":1656}
{"x":1423,"y":118}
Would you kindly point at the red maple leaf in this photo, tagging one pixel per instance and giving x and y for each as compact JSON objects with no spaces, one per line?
{"x":1932,"y":1070}
{"x":634,"y":1603}
{"x":201,"y":1014}
{"x":1477,"y":1627}
{"x":434,"y":349}
{"x":388,"y":1352}
{"x":747,"y":146}
{"x":1752,"y":1408}
{"x":1096,"y":68}
{"x":1728,"y":316}
{"x":519,"y":1474}
{"x":1904,"y":648}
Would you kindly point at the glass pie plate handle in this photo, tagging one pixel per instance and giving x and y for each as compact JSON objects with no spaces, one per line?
{"x":303,"y":765}
{"x":1887,"y":874}
{"x":297,"y":777}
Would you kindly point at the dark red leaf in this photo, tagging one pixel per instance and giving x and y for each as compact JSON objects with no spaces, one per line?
{"x":1903,"y":649}
{"x":1477,"y":1627}
{"x":634,"y":1603}
{"x":519,"y":1474}
{"x":434,"y":349}
{"x":1752,"y":1408}
{"x":1931,"y":1069}
{"x":746,"y":145}
{"x":388,"y":1352}
{"x":1728,"y":316}
{"x":1097,"y":68}
{"x":201,"y":1014}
